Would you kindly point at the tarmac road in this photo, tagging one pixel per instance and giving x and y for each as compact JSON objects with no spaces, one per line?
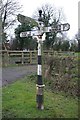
{"x":11,"y":74}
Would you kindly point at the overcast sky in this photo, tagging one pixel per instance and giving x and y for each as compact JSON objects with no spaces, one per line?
{"x":70,"y":8}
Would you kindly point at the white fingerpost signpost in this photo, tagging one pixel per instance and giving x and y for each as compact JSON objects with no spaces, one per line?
{"x":39,"y":33}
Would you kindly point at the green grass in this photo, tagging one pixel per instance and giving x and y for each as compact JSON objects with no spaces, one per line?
{"x":19,"y":101}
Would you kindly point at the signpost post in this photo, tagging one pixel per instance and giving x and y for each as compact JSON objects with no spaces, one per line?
{"x":39,"y":33}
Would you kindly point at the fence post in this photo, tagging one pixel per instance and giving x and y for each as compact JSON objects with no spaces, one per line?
{"x":30,"y":57}
{"x":8,"y":59}
{"x":22,"y":58}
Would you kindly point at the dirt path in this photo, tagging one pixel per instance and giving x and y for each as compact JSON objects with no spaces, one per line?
{"x":11,"y":74}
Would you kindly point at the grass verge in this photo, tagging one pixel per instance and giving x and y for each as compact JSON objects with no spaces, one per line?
{"x":19,"y":101}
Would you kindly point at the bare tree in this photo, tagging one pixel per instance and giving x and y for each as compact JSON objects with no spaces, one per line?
{"x":51,"y":17}
{"x":50,"y":13}
{"x":9,"y":9}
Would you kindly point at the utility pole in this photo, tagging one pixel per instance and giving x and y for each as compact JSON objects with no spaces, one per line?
{"x":39,"y":33}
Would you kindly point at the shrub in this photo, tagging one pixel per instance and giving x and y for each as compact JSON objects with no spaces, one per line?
{"x":61,"y":74}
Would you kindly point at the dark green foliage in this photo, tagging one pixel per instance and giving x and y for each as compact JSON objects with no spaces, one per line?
{"x":51,"y":38}
{"x":65,"y":45}
{"x":27,"y":42}
{"x":74,"y":47}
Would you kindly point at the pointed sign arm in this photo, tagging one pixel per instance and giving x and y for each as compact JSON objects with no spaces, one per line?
{"x":62,"y":27}
{"x":26,"y":19}
{"x":59,"y":28}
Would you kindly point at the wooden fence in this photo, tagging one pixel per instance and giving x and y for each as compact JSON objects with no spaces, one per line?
{"x":26,"y":57}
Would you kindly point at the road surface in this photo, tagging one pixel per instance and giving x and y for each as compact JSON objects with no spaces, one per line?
{"x":11,"y":74}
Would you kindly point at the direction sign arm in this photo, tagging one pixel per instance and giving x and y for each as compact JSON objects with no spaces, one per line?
{"x":25,"y":19}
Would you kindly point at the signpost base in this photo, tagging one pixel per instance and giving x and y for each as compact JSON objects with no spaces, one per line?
{"x":40,"y":96}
